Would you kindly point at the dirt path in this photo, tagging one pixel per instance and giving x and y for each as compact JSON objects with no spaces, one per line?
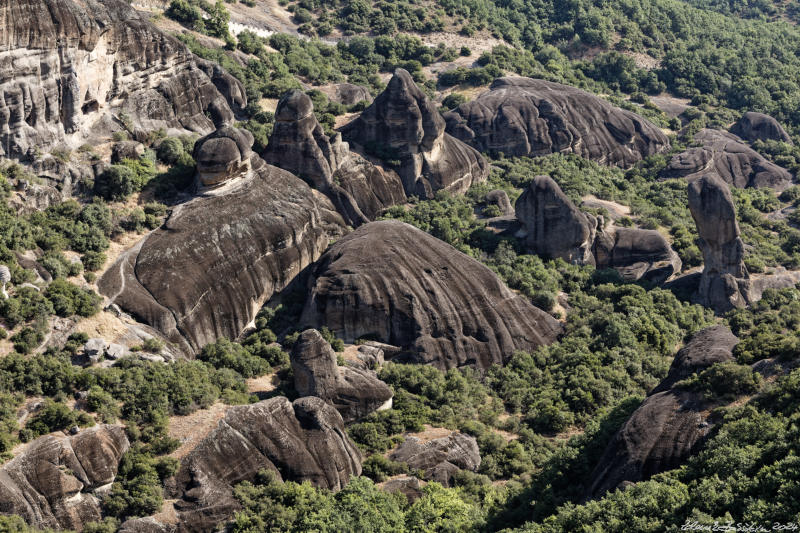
{"x":193,"y":428}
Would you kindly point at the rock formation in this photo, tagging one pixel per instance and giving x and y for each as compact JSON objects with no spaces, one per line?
{"x":74,"y":70}
{"x":53,"y":482}
{"x":671,"y":423}
{"x":223,"y":155}
{"x":394,"y":283}
{"x":554,"y":227}
{"x":347,"y":93}
{"x":359,"y":189}
{"x":731,"y":159}
{"x":300,"y":441}
{"x":758,"y":126}
{"x":724,"y":282}
{"x":221,"y":255}
{"x":500,"y":199}
{"x":439,"y":458}
{"x":404,"y":129}
{"x":354,"y":392}
{"x":531,"y":117}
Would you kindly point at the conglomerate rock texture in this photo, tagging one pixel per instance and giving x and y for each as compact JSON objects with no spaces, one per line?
{"x":404,"y":129}
{"x":725,"y":155}
{"x":532,"y":117}
{"x":354,"y":392}
{"x":52,"y":482}
{"x":71,"y":70}
{"x":304,"y":440}
{"x":359,"y":189}
{"x":394,"y":283}
{"x":221,"y":255}
{"x":671,"y":423}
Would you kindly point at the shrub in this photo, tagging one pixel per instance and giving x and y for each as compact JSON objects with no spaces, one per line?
{"x":117,"y":182}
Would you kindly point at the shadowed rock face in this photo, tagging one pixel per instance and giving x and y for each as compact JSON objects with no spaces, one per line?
{"x":221,"y":255}
{"x":392,"y":282}
{"x":359,"y":189}
{"x":300,"y":441}
{"x":671,"y":423}
{"x":354,"y":392}
{"x":404,"y":128}
{"x":51,"y":484}
{"x":500,"y":199}
{"x":554,"y":227}
{"x":758,"y":126}
{"x":531,"y":117}
{"x":69,"y":68}
{"x":440,"y":458}
{"x":723,"y":284}
{"x":733,"y":161}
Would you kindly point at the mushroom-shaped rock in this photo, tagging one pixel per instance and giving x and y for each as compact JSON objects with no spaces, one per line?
{"x":223,"y":155}
{"x":723,"y":284}
{"x":391,"y":282}
{"x":732,"y":160}
{"x":554,"y":226}
{"x":671,"y":423}
{"x":221,"y":255}
{"x":440,"y":458}
{"x":404,"y":128}
{"x":354,"y":392}
{"x":760,"y":127}
{"x":359,"y":189}
{"x":51,"y":483}
{"x":300,"y":441}
{"x":531,"y":117}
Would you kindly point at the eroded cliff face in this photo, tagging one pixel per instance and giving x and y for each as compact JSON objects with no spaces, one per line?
{"x":525,"y":116}
{"x":53,"y":482}
{"x":220,"y":256}
{"x":71,"y":71}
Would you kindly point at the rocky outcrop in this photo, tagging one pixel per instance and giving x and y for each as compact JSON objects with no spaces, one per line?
{"x":391,"y":282}
{"x":404,"y":129}
{"x":724,"y":282}
{"x":223,"y":155}
{"x":74,"y":71}
{"x":554,"y":227}
{"x":531,"y":117}
{"x":354,"y":392}
{"x":499,"y":198}
{"x":300,"y":441}
{"x":440,"y":458}
{"x":347,"y":93}
{"x":731,"y":159}
{"x":359,"y":189}
{"x":53,"y":482}
{"x":760,"y":127}
{"x":671,"y":423}
{"x":221,"y":255}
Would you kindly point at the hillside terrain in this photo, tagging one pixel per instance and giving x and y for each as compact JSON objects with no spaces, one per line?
{"x":422,"y":265}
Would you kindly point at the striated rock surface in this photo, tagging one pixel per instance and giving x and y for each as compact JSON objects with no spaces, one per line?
{"x":554,"y":227}
{"x":52,"y":482}
{"x":732,"y":160}
{"x":531,"y":117}
{"x":300,"y":441}
{"x":724,"y":282}
{"x":221,"y":255}
{"x":73,"y":70}
{"x":394,"y":283}
{"x":359,"y":189}
{"x":354,"y":392}
{"x":760,"y":127}
{"x":671,"y":423}
{"x":404,"y":129}
{"x":440,"y":458}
